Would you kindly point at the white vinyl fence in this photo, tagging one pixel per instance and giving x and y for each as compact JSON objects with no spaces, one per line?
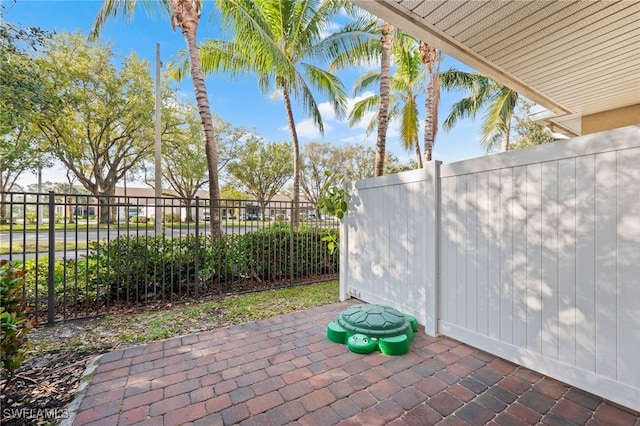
{"x":532,"y":255}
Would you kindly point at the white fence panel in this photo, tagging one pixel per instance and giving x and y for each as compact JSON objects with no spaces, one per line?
{"x":534,"y":256}
{"x":383,"y":250}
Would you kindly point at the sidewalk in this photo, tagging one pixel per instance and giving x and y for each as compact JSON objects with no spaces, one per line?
{"x":283,"y":370}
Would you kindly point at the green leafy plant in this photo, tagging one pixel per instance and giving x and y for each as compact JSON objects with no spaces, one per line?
{"x":14,"y":323}
{"x":334,"y":201}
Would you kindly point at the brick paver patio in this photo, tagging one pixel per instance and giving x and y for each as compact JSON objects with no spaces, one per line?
{"x":283,"y":370}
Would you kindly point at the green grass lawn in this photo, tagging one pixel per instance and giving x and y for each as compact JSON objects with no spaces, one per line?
{"x":123,"y":330}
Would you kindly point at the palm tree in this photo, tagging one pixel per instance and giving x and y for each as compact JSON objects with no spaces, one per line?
{"x":281,"y":42}
{"x":431,"y":59}
{"x":405,"y":85}
{"x":386,"y":38}
{"x":186,"y":16}
{"x":499,"y":101}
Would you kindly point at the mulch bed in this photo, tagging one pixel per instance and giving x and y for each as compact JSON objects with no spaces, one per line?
{"x":42,"y":388}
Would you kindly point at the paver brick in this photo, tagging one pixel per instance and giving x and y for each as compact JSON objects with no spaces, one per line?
{"x":460,"y":392}
{"x":502,"y":394}
{"x":219,"y":403}
{"x":251,"y":378}
{"x":146,"y":398}
{"x":608,"y":414}
{"x":102,"y":398}
{"x":422,"y":415}
{"x":345,"y":408}
{"x":389,"y":409}
{"x":583,"y":398}
{"x":268,"y":385}
{"x":363,"y":399}
{"x":444,"y":403}
{"x":262,"y":403}
{"x":324,"y":416}
{"x":341,"y":389}
{"x":409,"y":398}
{"x":571,"y":411}
{"x":514,"y":384}
{"x":492,"y":403}
{"x":430,"y":386}
{"x":529,"y":375}
{"x":296,"y":375}
{"x":182,"y":387}
{"x":168,"y":404}
{"x":225,"y":387}
{"x":471,"y":363}
{"x":371,"y":417}
{"x":185,"y":414}
{"x":285,"y":413}
{"x":241,"y":394}
{"x":523,"y":413}
{"x":473,"y":385}
{"x":317,"y":399}
{"x":296,"y":390}
{"x":235,"y":414}
{"x":201,"y":394}
{"x":134,"y":415}
{"x":384,"y":389}
{"x":475,"y":414}
{"x":536,"y":401}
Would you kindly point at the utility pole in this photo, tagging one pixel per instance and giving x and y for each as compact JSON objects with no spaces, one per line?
{"x":158,"y":146}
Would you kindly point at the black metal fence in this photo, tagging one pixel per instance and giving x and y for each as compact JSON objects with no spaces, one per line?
{"x":90,"y":255}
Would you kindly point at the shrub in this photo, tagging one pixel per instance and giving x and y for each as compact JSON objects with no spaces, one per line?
{"x":171,"y":218}
{"x":14,"y":324}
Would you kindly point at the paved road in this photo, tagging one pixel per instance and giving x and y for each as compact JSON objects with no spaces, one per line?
{"x":97,"y":235}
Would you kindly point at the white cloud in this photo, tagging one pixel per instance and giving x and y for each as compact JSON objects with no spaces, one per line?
{"x":307,"y":129}
{"x":327,"y":112}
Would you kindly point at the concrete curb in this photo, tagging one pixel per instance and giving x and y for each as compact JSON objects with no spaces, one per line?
{"x":85,"y":381}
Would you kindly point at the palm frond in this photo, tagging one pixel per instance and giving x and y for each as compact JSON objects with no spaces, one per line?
{"x":125,"y":9}
{"x":361,"y":107}
{"x":365,"y":81}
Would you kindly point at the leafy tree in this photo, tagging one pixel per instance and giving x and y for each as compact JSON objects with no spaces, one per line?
{"x":282,"y":42}
{"x":526,"y":131}
{"x":186,"y":16}
{"x":497,"y":101}
{"x":356,"y":162}
{"x":103,"y":125}
{"x":24,"y":94}
{"x":317,"y":158}
{"x":185,"y":165}
{"x":261,"y":170}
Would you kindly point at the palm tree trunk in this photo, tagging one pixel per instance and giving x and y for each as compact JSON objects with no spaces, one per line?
{"x":207,"y":125}
{"x":419,"y":155}
{"x":296,"y":155}
{"x":429,"y":57}
{"x":504,"y":145}
{"x":383,"y":113}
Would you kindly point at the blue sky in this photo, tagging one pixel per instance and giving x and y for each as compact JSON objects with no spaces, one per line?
{"x":237,"y":101}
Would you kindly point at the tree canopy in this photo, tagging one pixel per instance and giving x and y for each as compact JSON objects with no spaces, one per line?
{"x":103,"y":125}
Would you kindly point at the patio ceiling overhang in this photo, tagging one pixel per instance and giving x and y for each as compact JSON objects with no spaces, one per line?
{"x":579,"y":60}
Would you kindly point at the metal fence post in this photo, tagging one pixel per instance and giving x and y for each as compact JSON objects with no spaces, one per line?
{"x":196,"y":255}
{"x":291,"y":250}
{"x":51,"y":285}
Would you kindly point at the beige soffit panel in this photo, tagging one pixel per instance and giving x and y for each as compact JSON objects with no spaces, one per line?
{"x":574,"y":57}
{"x":402,"y":18}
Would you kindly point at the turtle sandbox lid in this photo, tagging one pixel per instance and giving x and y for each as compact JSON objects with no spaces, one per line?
{"x":367,"y":328}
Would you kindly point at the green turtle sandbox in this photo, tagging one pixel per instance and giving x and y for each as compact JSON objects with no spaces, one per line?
{"x":366,"y":328}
